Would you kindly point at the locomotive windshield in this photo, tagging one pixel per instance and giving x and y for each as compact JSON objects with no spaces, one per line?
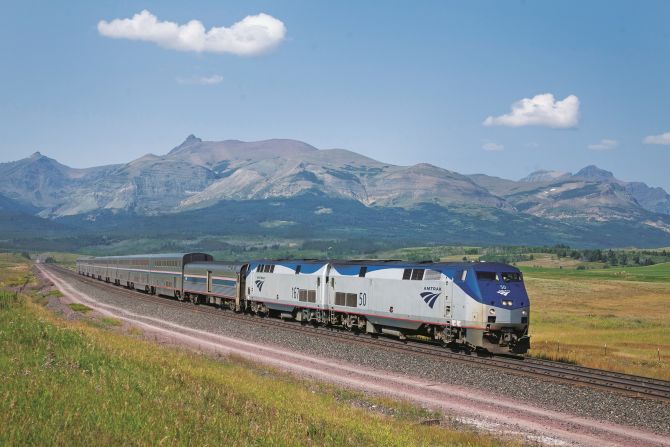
{"x":487,"y":276}
{"x":511,"y":276}
{"x":495,"y":276}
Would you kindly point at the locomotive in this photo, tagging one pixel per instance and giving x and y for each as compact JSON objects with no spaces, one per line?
{"x":477,"y":306}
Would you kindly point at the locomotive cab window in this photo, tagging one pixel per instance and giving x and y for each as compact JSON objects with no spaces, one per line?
{"x":487,"y":276}
{"x":511,"y":276}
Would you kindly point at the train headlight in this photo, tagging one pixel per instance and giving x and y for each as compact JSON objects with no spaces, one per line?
{"x":523,"y":312}
{"x":492,"y":311}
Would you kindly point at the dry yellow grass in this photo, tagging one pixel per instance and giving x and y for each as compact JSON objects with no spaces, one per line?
{"x":610,"y":324}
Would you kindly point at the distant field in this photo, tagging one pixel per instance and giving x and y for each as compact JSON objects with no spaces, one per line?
{"x":552,"y":261}
{"x":91,"y":383}
{"x":14,"y":270}
{"x":652,"y":273}
{"x":65,"y":259}
{"x":614,"y":318}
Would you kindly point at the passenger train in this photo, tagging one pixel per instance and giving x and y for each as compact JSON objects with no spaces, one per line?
{"x":477,"y":306}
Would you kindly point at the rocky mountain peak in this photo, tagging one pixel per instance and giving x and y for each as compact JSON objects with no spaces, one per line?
{"x":36,"y":155}
{"x":593,"y":172}
{"x":543,"y":175}
{"x":190,"y":140}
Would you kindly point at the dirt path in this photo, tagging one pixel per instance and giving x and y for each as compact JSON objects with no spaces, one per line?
{"x":495,"y":414}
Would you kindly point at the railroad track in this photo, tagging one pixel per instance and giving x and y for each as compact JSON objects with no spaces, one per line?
{"x":626,"y":384}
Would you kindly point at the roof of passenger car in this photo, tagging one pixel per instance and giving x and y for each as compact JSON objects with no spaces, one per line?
{"x":152,"y":256}
{"x":214,"y":265}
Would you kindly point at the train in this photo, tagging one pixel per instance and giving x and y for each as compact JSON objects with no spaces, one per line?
{"x":473,"y":306}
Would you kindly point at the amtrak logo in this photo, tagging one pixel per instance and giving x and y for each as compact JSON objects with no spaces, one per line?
{"x":504,"y":292}
{"x":259,"y":284}
{"x":429,"y":298}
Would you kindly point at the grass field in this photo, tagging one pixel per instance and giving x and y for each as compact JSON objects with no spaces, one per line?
{"x":90,"y":383}
{"x":615,"y":319}
{"x":652,"y":273}
{"x":14,"y":271}
{"x":552,"y":261}
{"x":64,"y":259}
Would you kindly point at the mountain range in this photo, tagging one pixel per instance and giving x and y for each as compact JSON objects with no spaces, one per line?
{"x":207,"y":181}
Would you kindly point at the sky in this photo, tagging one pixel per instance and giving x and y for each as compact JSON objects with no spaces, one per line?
{"x":501,"y":88}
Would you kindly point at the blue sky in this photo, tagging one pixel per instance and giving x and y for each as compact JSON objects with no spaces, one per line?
{"x":400,"y":81}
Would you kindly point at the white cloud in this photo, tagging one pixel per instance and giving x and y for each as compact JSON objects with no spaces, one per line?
{"x":540,"y":110}
{"x":604,"y":145}
{"x":201,"y":80}
{"x":491,"y":146}
{"x":251,"y":35}
{"x":663,"y":138}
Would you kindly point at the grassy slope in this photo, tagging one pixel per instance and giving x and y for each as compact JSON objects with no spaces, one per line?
{"x":72,"y":383}
{"x":584,"y":310}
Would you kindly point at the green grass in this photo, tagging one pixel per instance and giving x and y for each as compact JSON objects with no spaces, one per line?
{"x":80,"y":308}
{"x":8,"y":299}
{"x":110,"y":321}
